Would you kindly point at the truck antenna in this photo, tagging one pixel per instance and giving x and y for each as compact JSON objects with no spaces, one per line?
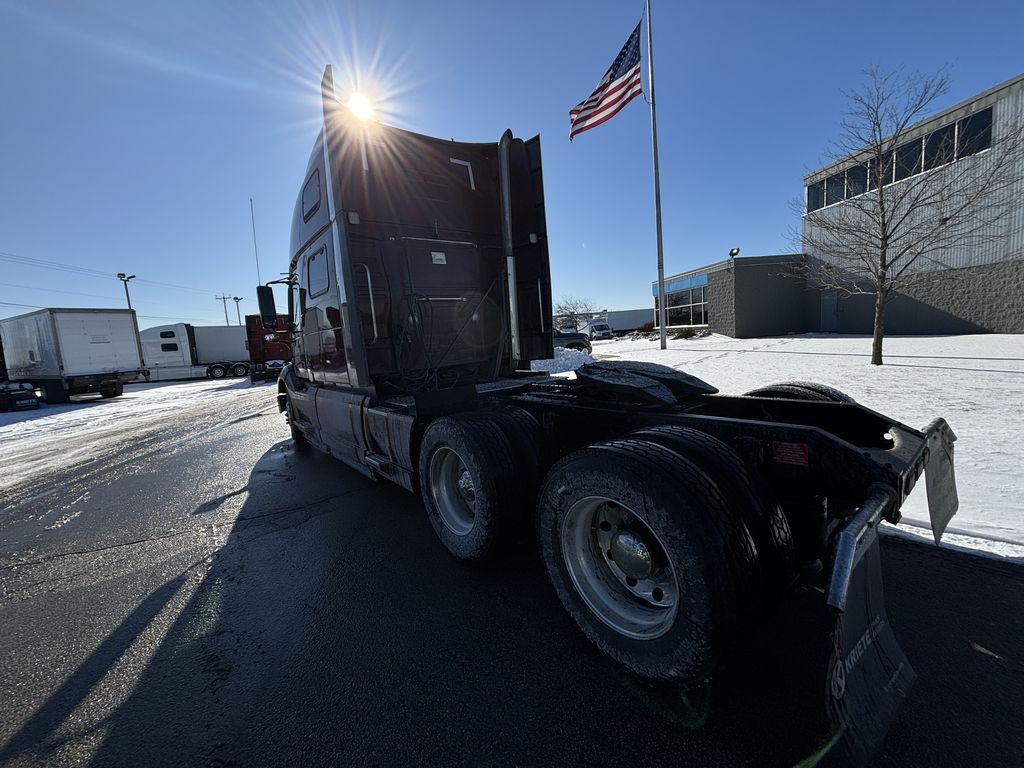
{"x":252,"y":217}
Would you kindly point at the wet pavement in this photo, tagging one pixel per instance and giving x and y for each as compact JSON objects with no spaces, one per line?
{"x":199,"y":594}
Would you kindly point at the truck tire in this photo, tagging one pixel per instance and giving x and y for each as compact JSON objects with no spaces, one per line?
{"x":528,"y":455}
{"x":299,"y":441}
{"x":645,"y":555}
{"x":801,"y":390}
{"x":217,"y":371}
{"x":54,"y":393}
{"x":467,"y":477}
{"x":762,"y":514}
{"x":239,"y":369}
{"x":114,"y":390}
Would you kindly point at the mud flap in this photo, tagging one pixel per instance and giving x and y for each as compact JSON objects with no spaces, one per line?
{"x":868,"y":675}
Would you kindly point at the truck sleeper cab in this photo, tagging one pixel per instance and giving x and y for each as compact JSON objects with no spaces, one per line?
{"x":671,"y":518}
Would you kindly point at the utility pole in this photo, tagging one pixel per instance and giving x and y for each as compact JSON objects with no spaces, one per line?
{"x":124,"y":279}
{"x":223,"y":298}
{"x":238,"y":312}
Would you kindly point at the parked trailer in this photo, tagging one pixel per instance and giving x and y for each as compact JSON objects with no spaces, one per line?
{"x":675,"y":522}
{"x":184,"y":351}
{"x":269,"y":348}
{"x":66,"y":352}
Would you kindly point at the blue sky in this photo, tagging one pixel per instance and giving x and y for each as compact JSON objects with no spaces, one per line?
{"x":134,"y":134}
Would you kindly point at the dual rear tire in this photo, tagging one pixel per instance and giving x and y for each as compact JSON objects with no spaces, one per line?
{"x":646,"y":540}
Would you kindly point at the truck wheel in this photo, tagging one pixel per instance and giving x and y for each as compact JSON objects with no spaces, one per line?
{"x":762,"y":515}
{"x":239,"y":369}
{"x":528,"y":455}
{"x":114,"y":390}
{"x":802,"y":390}
{"x":217,"y":371}
{"x":299,"y":441}
{"x":467,"y":471}
{"x":642,"y":551}
{"x":54,"y":393}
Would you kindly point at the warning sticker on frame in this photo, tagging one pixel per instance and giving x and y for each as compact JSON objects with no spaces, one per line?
{"x":796,"y":454}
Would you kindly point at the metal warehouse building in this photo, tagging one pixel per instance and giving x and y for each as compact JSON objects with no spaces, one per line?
{"x":965,"y":290}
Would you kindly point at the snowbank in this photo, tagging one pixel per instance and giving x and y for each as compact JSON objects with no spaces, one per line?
{"x":975,"y":382}
{"x":565,"y":360}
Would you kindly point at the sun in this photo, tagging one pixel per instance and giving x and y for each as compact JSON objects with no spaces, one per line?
{"x":360,"y":106}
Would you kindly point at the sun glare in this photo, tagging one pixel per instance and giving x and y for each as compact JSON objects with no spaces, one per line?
{"x":360,"y":106}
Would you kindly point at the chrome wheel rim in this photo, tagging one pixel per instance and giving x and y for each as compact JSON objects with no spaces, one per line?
{"x":453,"y":490}
{"x":620,"y":568}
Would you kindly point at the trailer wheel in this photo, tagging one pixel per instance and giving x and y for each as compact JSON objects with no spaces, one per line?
{"x":802,"y":390}
{"x":762,"y":515}
{"x":642,"y":550}
{"x":467,"y":470}
{"x":299,"y":441}
{"x":239,"y":369}
{"x":54,"y":393}
{"x":217,"y":371}
{"x":114,"y":390}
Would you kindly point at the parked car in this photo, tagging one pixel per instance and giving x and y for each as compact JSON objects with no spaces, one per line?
{"x":601,"y":331}
{"x":572,"y":340}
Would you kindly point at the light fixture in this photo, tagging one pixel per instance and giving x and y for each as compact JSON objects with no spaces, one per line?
{"x":734,"y":252}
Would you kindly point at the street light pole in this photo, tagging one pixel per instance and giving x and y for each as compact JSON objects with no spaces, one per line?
{"x":238,"y":312}
{"x":124,"y":279}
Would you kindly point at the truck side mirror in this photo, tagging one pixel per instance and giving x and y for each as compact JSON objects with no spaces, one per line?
{"x":268,"y":308}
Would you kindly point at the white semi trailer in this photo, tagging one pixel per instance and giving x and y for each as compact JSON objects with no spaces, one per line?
{"x":184,"y":351}
{"x":65,"y":352}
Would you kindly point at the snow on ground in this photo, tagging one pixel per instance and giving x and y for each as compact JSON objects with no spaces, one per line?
{"x":975,"y":382}
{"x":31,"y":440}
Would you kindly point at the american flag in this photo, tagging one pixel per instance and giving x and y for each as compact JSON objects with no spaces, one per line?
{"x":617,"y":88}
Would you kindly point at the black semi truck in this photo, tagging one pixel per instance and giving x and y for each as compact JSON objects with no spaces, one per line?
{"x":672,"y":520}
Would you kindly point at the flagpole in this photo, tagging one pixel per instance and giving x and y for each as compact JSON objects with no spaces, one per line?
{"x":657,"y":178}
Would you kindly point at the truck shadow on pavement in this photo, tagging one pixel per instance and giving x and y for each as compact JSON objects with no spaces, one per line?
{"x":332,"y":628}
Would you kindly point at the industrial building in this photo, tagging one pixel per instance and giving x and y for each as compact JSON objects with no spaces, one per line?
{"x":967,"y":289}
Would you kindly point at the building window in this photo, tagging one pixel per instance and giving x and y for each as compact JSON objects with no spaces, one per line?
{"x":684,"y":301}
{"x":967,"y":136}
{"x":834,"y":186}
{"x":880,"y":169}
{"x":908,"y":160}
{"x":815,"y":196}
{"x":166,"y":334}
{"x":856,"y":180}
{"x":168,"y":347}
{"x":939,"y":147}
{"x":974,"y":133}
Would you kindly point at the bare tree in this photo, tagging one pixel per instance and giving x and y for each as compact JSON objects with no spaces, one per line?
{"x":913,"y":201}
{"x":574,"y":310}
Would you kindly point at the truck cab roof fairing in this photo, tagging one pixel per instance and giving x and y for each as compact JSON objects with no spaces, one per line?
{"x":420,"y":252}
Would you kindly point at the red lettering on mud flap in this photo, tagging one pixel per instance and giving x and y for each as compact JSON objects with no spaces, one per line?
{"x":796,"y":454}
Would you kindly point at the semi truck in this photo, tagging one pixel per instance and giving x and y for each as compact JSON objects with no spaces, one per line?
{"x":183,"y":351}
{"x":65,"y":352}
{"x":675,"y":523}
{"x":269,"y":348}
{"x":14,"y":397}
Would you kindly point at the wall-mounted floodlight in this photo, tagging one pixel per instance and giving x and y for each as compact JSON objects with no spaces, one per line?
{"x":734,"y":252}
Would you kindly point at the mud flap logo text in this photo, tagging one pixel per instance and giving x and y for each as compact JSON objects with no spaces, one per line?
{"x":841,"y":667}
